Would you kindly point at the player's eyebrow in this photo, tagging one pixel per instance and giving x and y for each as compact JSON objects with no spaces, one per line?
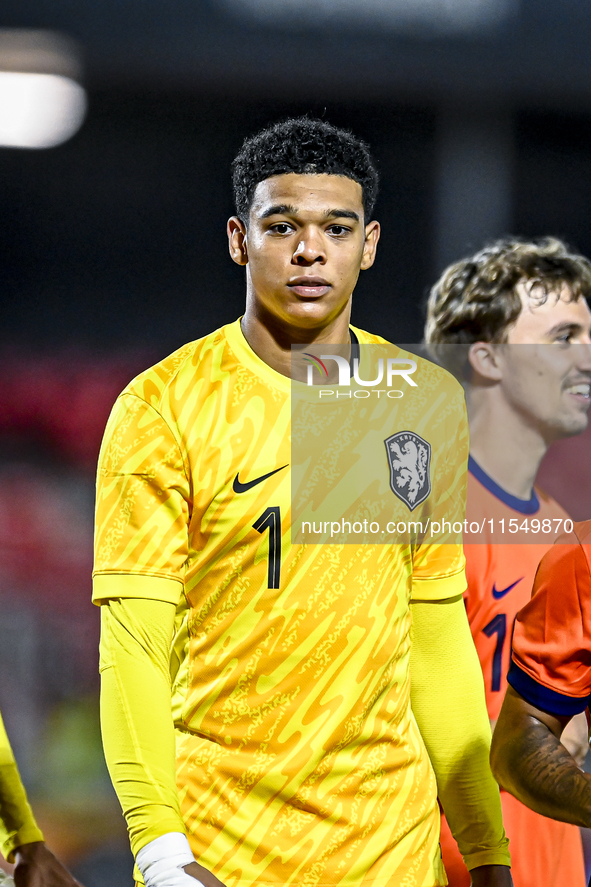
{"x":285,"y":209}
{"x":573,"y":328}
{"x":280,"y":209}
{"x":342,"y":214}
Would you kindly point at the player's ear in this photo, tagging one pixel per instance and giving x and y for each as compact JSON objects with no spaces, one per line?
{"x":237,"y":240}
{"x":483,"y":359}
{"x":372,"y":235}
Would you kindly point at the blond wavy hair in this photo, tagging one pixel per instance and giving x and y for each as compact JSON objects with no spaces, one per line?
{"x":475,"y":300}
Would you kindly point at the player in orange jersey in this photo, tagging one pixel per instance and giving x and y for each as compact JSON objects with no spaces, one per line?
{"x":550,"y":682}
{"x":513,"y":322}
{"x":298,"y":757}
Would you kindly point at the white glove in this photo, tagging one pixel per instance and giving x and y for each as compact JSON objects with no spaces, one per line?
{"x":161,"y":862}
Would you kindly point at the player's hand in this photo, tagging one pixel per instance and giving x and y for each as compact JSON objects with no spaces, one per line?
{"x":203,"y":875}
{"x":36,"y":866}
{"x":491,"y":876}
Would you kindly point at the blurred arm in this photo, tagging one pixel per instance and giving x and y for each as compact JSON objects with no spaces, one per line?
{"x":22,"y":840}
{"x":36,"y":866}
{"x":17,"y":823}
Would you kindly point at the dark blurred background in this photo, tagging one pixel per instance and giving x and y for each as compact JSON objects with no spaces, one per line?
{"x":113,"y":253}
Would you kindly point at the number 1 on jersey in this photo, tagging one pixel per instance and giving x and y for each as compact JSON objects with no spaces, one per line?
{"x":271,"y":519}
{"x":497,"y":626}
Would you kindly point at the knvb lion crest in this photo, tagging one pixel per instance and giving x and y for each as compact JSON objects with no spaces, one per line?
{"x":409,"y":457}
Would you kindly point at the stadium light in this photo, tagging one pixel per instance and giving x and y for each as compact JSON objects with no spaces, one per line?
{"x":41,"y":102}
{"x":445,"y":16}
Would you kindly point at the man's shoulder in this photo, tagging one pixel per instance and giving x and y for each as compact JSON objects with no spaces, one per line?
{"x":574,"y":546}
{"x":366,"y":338}
{"x":582,"y":530}
{"x":187,"y":364}
{"x":549,"y":507}
{"x":430,"y":373}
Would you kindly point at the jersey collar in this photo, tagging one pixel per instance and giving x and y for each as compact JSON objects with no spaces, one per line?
{"x":523,"y":506}
{"x":248,"y":358}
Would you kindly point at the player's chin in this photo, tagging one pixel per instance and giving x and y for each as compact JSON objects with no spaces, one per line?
{"x":310,"y":314}
{"x":575,"y":424}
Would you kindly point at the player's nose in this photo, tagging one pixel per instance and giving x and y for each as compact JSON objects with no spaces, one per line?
{"x":583,"y":354}
{"x":310,"y":249}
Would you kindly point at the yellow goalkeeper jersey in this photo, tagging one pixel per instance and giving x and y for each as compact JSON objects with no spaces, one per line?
{"x":298,"y":757}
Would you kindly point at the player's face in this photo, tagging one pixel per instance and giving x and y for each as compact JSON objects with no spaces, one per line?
{"x":304,"y":247}
{"x":547,"y":364}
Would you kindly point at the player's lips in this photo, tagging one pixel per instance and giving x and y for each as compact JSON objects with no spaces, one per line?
{"x":309,"y":287}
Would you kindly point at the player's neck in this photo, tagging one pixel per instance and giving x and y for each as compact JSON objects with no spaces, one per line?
{"x":506,"y":448}
{"x":272,"y":341}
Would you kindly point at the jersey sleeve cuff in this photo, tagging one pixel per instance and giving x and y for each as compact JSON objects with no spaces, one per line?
{"x":28,"y":834}
{"x":488,"y":857}
{"x":440,"y":588}
{"x":106,"y":586}
{"x":542,"y":697}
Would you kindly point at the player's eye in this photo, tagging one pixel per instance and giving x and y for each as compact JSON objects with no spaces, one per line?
{"x":338,"y":230}
{"x":564,"y":338}
{"x":280,"y":228}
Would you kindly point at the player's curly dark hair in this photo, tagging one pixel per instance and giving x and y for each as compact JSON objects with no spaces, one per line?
{"x":475,"y":300}
{"x":306,"y":146}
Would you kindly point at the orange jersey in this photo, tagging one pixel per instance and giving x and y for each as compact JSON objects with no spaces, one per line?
{"x":551,"y":665}
{"x":500,"y":574}
{"x":500,"y":580}
{"x":551,"y":658}
{"x":299,"y":760}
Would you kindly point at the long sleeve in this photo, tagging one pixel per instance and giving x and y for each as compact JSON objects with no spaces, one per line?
{"x":136,"y":717}
{"x":448,"y":703}
{"x":17,"y":823}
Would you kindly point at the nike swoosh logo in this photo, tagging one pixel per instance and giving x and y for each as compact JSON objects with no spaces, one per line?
{"x":242,"y":488}
{"x":503,"y":591}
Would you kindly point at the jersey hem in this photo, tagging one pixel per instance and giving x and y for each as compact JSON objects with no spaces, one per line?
{"x":376,"y":882}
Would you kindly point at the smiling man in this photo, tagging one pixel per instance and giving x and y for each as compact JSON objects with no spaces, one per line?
{"x":298,"y":758}
{"x":513,"y":323}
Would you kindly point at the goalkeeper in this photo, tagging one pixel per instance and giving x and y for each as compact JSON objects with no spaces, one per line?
{"x":299,"y":761}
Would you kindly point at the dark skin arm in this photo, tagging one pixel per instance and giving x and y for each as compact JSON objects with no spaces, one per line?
{"x":36,"y":866}
{"x":202,"y":874}
{"x":529,"y":761}
{"x":491,"y":876}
